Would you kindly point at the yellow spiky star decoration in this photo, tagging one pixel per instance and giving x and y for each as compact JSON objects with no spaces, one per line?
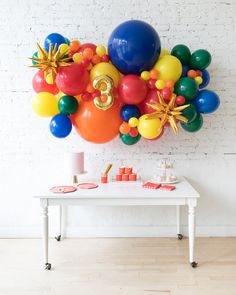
{"x":167,"y":112}
{"x":50,"y":61}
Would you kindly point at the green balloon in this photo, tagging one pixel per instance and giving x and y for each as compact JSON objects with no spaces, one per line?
{"x":129,"y":140}
{"x":186,"y":87}
{"x":190,"y":113}
{"x":195,"y":125}
{"x":182,"y":52}
{"x":35,"y":55}
{"x":200,"y":59}
{"x":68,"y":105}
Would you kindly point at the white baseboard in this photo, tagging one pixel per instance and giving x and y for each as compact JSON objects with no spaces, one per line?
{"x":128,"y":231}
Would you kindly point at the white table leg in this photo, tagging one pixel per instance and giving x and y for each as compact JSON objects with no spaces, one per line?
{"x":45,"y":237}
{"x":58,"y":238}
{"x":191,"y":229}
{"x":178,"y":218}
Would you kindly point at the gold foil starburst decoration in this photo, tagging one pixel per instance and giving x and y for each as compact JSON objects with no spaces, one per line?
{"x":167,"y":112}
{"x":50,"y":61}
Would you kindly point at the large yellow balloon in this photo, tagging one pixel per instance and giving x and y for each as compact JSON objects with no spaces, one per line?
{"x":105,"y":68}
{"x":45,"y":104}
{"x":169,"y":67}
{"x":149,"y":128}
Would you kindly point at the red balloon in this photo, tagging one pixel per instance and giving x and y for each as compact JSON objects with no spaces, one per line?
{"x":40,"y":85}
{"x":87,"y":45}
{"x":166,"y":94}
{"x":151,"y":84}
{"x":72,"y":79}
{"x":180,"y":100}
{"x":133,"y":132}
{"x":132,"y":89}
{"x":150,"y":98}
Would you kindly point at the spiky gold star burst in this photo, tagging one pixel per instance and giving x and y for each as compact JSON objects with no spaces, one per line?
{"x":167,"y":112}
{"x":50,"y":61}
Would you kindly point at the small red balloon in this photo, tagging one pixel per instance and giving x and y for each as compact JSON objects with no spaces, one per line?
{"x":86,"y":96}
{"x":87,"y":45}
{"x":133,"y":132}
{"x":166,"y":93}
{"x":96,"y":93}
{"x":40,"y":85}
{"x":151,"y":84}
{"x":150,"y":98}
{"x":85,"y":62}
{"x":180,"y":100}
{"x":132,"y":89}
{"x":105,"y":58}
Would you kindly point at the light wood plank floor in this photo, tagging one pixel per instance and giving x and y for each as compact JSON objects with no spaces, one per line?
{"x":134,"y":266}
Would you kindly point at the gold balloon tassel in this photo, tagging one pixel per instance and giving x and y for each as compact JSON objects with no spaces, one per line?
{"x":167,"y":112}
{"x":50,"y":61}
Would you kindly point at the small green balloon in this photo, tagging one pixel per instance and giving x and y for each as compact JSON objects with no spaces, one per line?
{"x":195,"y":125}
{"x":182,"y":52}
{"x":186,"y":87}
{"x":35,"y":55}
{"x":68,"y":105}
{"x":190,"y":113}
{"x":129,"y":140}
{"x":200,"y":59}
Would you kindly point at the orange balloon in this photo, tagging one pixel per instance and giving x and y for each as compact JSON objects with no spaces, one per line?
{"x":96,"y":125}
{"x":124,"y":128}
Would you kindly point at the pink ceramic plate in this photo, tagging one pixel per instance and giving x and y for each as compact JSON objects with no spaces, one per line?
{"x":87,"y":185}
{"x":62,"y":189}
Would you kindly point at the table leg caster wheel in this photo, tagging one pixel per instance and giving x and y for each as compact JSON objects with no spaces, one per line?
{"x":58,"y":238}
{"x":193,"y":264}
{"x":180,"y":237}
{"x":48,"y":266}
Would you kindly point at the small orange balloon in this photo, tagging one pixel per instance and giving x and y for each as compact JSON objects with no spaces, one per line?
{"x":192,"y":74}
{"x":88,"y":53}
{"x":170,"y":83}
{"x":124,"y":128}
{"x":96,"y":125}
{"x":74,"y":45}
{"x":96,"y":59}
{"x":90,"y":88}
{"x":103,"y":98}
{"x":154,"y":74}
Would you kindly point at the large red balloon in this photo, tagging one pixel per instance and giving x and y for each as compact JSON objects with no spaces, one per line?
{"x":132,"y":89}
{"x":150,"y":98}
{"x":72,"y":79}
{"x":40,"y":85}
{"x":96,"y":125}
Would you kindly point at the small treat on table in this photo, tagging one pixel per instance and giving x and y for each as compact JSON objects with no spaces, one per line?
{"x":151,"y":185}
{"x":125,"y":177}
{"x":128,"y":170}
{"x":118,"y":177}
{"x":104,"y":178}
{"x":121,"y":170}
{"x":167,"y":187}
{"x":133,"y":177}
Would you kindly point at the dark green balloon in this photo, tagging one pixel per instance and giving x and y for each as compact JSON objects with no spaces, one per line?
{"x":35,"y":55}
{"x":195,"y":125}
{"x":68,"y":105}
{"x":200,"y":59}
{"x":190,"y":113}
{"x":186,"y":87}
{"x":182,"y":52}
{"x":129,"y":140}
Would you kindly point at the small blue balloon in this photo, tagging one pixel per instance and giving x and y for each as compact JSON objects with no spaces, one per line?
{"x":185,"y":70}
{"x":134,"y":46}
{"x":129,"y":111}
{"x":60,"y":126}
{"x":205,"y":79}
{"x":206,"y":101}
{"x":53,"y":39}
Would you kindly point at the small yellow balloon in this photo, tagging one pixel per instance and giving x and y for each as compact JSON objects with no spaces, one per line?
{"x":199,"y":80}
{"x":105,"y":68}
{"x":133,"y":122}
{"x":45,"y":104}
{"x":49,"y":78}
{"x":64,"y":48}
{"x":160,"y":84}
{"x":149,"y":128}
{"x":145,"y":75}
{"x":169,"y":67}
{"x":77,"y":58}
{"x":101,"y":50}
{"x":164,"y":52}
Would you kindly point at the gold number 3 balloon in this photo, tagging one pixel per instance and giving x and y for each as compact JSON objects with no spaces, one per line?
{"x":97,"y":83}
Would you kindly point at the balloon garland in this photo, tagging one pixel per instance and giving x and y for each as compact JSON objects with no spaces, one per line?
{"x":133,"y":88}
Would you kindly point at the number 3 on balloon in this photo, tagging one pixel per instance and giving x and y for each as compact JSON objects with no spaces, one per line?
{"x":97,"y":83}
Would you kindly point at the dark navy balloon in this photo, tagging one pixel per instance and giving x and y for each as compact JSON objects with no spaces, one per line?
{"x":205,"y":79}
{"x":185,"y":70}
{"x":60,"y":126}
{"x":53,"y":39}
{"x":206,"y":101}
{"x":129,"y":111}
{"x":134,"y":46}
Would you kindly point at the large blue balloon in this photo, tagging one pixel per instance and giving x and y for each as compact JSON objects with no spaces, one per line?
{"x":206,"y":101}
{"x":205,"y":79}
{"x":53,"y":39}
{"x":129,"y":111}
{"x":60,"y":126}
{"x":134,"y":46}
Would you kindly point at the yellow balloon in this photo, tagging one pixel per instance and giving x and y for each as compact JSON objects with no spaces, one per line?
{"x":133,"y":122}
{"x":45,"y":104}
{"x":149,"y":128}
{"x":164,"y":52}
{"x":105,"y":68}
{"x":169,"y":67}
{"x":60,"y":94}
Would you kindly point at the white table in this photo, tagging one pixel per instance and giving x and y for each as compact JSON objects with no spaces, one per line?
{"x":125,"y":194}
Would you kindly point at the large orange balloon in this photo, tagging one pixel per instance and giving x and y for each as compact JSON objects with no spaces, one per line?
{"x":96,"y":125}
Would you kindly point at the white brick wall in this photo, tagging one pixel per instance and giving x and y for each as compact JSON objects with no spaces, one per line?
{"x":30,"y":156}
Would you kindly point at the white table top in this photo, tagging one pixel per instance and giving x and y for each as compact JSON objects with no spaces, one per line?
{"x":123,"y":189}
